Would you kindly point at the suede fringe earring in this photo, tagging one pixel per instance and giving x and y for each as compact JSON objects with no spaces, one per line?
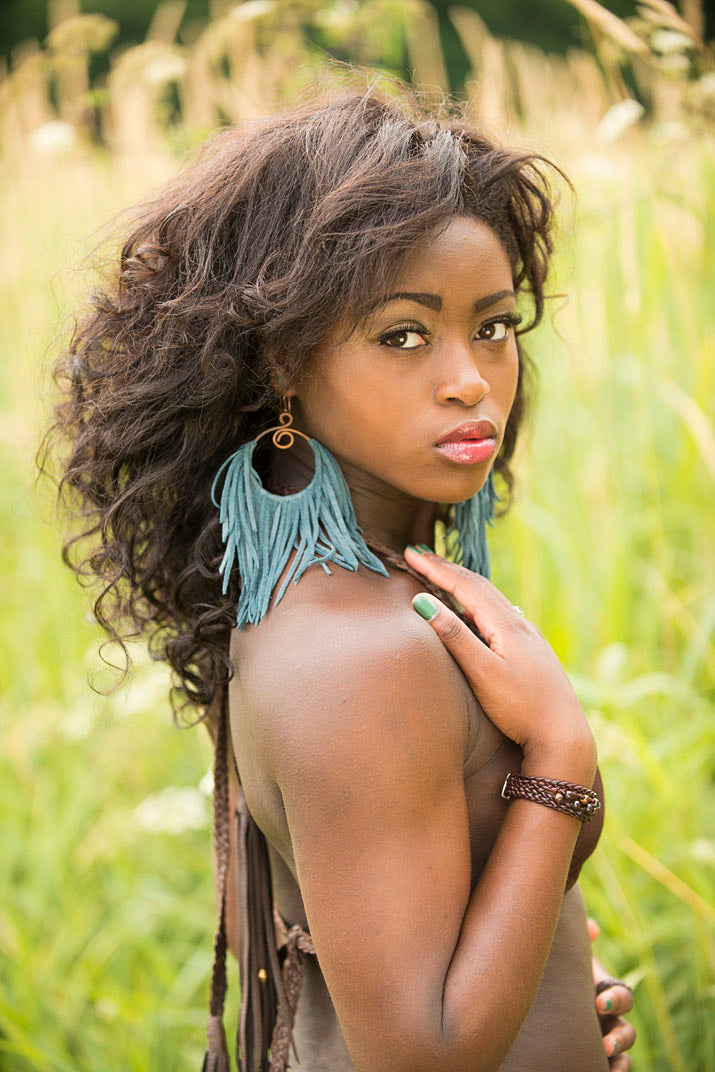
{"x":261,"y":530}
{"x":466,"y":537}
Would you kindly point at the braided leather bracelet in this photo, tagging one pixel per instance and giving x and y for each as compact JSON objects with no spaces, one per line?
{"x":574,"y":800}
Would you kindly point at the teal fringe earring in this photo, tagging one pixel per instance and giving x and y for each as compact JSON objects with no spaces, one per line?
{"x":466,"y":537}
{"x":261,"y":530}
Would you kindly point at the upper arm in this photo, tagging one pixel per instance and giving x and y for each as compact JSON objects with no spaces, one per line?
{"x":369,"y":760}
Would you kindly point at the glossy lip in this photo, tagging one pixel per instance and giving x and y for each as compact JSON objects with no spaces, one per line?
{"x":468,"y":451}
{"x":471,"y":430}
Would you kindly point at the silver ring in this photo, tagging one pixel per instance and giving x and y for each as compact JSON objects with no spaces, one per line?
{"x":518,"y":609}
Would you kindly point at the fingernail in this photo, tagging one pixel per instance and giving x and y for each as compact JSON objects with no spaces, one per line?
{"x":616,"y":1048}
{"x":411,"y":547}
{"x":425,"y":607}
{"x":422,"y":548}
{"x":607,"y":1005}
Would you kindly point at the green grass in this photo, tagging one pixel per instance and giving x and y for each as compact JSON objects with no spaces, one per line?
{"x":610,"y":549}
{"x":105,"y":927}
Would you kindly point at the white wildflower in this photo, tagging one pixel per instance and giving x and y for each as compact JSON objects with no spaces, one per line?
{"x":703,"y":850}
{"x":668,"y":41}
{"x":706,"y":86}
{"x":252,"y":9}
{"x":619,"y":118}
{"x":600,"y":167}
{"x":163,"y":69}
{"x":77,"y":723}
{"x":53,"y":138}
{"x":612,"y":663}
{"x":106,"y":1009}
{"x":173,"y":810}
{"x":206,"y":785}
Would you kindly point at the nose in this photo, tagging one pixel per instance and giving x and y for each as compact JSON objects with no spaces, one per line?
{"x":460,"y":379}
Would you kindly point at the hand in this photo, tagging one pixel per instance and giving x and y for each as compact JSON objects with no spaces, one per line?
{"x":514,"y":674}
{"x":618,"y":1034}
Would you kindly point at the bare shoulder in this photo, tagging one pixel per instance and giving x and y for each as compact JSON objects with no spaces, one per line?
{"x":344,"y":662}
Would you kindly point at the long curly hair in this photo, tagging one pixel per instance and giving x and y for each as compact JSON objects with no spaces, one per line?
{"x":237,"y":269}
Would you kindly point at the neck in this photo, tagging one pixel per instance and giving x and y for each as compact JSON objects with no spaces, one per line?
{"x":384,"y":513}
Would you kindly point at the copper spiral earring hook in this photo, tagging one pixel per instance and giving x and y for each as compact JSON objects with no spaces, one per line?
{"x":283,"y":433}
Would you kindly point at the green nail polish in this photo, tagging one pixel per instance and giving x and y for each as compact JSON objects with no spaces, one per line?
{"x":411,"y":547}
{"x":607,"y":1005}
{"x":616,"y":1048}
{"x":422,"y":547}
{"x":425,"y":607}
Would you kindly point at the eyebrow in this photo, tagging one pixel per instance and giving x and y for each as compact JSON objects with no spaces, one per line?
{"x":433,"y":301}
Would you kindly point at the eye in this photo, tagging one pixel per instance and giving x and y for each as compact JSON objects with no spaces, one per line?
{"x":499,"y":329}
{"x":407,"y":337}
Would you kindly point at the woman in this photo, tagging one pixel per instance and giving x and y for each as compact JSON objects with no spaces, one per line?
{"x":349,"y":274}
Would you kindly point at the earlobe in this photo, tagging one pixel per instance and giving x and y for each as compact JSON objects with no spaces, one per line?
{"x":281,"y":384}
{"x":280,"y":380}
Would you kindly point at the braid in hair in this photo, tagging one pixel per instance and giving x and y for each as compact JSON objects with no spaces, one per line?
{"x":393,"y":558}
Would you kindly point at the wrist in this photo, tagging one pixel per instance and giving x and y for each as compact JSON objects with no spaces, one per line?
{"x":578,"y":801}
{"x":569,"y":760}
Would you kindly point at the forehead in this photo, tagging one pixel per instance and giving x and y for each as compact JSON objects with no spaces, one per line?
{"x":464,"y":248}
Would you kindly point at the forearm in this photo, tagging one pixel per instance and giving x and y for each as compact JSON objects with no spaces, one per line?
{"x":508,"y":928}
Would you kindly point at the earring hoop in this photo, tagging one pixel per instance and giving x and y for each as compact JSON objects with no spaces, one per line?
{"x":268,"y":537}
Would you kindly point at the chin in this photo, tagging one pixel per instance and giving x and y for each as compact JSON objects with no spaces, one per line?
{"x":448,"y":492}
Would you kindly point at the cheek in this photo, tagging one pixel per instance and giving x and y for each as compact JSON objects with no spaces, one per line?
{"x":511,"y":391}
{"x":514,"y":380}
{"x":504,"y":381}
{"x":345,"y":387}
{"x":330,"y":397}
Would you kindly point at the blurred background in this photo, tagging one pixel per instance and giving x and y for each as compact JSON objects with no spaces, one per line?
{"x":106,"y":889}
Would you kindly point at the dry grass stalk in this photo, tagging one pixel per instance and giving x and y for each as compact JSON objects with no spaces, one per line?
{"x":423,"y":48}
{"x":588,"y":86}
{"x":666,"y":15}
{"x":611,"y":26}
{"x":494,"y":96}
{"x":135,"y":84}
{"x":530,"y":73}
{"x":24,"y":102}
{"x":694,"y":15}
{"x":59,"y":11}
{"x":71,"y":43}
{"x":666,"y":878}
{"x":166,"y":20}
{"x":472,"y":32}
{"x":513,"y":79}
{"x":491,"y":89}
{"x":609,"y":56}
{"x":252,"y":57}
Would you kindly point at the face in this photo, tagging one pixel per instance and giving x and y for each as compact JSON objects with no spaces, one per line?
{"x":418,"y":396}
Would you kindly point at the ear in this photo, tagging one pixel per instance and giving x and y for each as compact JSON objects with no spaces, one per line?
{"x":281,"y":382}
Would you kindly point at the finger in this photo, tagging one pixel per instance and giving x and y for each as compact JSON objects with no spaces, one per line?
{"x":447,"y":574}
{"x":622,"y":1063}
{"x":471,"y":654}
{"x":593,"y":929}
{"x":474,"y":592}
{"x":620,"y":1038}
{"x":614,"y":1001}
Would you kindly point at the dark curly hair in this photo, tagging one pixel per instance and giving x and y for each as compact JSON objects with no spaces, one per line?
{"x":239,"y":267}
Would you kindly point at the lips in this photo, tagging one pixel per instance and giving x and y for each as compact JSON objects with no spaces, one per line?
{"x":470,"y":443}
{"x":472,"y":430}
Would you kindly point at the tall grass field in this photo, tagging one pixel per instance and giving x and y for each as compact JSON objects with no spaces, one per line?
{"x":106,"y":885}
